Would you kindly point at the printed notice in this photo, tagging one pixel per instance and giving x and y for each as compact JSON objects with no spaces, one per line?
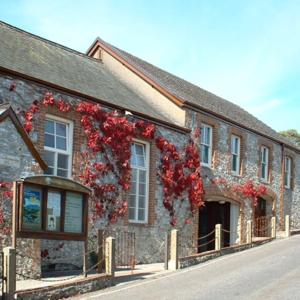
{"x":32,"y":209}
{"x":53,"y":211}
{"x":73,"y":213}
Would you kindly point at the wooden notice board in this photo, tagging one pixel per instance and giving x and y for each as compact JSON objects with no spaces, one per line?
{"x":51,"y":207}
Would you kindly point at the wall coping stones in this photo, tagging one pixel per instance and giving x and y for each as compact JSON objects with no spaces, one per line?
{"x":68,"y":288}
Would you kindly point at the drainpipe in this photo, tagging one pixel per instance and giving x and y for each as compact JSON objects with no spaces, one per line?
{"x":282,"y":189}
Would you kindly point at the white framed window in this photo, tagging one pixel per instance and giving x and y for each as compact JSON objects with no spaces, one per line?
{"x":235,"y":154}
{"x":139,"y":191}
{"x":206,"y":145}
{"x":265,"y":163}
{"x":287,"y":172}
{"x":58,"y":146}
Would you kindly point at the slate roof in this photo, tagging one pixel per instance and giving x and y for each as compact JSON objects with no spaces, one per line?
{"x":44,"y":60}
{"x":194,"y":95}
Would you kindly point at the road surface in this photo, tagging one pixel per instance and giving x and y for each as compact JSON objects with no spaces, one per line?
{"x":270,"y":271}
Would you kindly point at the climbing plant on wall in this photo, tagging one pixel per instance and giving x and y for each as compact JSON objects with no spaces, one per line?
{"x":105,"y":166}
{"x":249,"y":189}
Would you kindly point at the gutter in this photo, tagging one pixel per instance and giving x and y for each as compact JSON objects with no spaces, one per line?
{"x":106,"y":103}
{"x":227,"y":120}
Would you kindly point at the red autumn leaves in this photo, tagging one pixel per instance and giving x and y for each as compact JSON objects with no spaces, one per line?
{"x":109,"y":136}
{"x":249,"y":189}
{"x":48,"y":100}
{"x":180,"y":174}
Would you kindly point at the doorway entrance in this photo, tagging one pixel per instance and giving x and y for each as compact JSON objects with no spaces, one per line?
{"x":260,"y":218}
{"x":214,"y":212}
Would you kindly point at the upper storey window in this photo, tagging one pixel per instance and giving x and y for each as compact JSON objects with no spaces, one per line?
{"x":58,"y":146}
{"x":287,"y":172}
{"x":206,"y":145}
{"x":235,"y":154}
{"x":265,"y":163}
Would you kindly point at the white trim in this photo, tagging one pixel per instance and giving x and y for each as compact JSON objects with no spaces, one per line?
{"x":265,"y":163}
{"x":238,"y":154}
{"x":147,"y":169}
{"x":203,"y":125}
{"x":287,"y":171}
{"x":69,"y":144}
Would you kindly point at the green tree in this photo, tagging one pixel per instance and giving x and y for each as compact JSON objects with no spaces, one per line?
{"x":292,"y":134}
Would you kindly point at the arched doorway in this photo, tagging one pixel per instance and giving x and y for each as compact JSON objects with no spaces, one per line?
{"x":262,"y":218}
{"x":218,"y":211}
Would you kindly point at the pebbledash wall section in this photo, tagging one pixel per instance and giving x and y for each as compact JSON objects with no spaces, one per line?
{"x":250,"y":169}
{"x":292,"y":202}
{"x":16,"y":161}
{"x":150,"y":237}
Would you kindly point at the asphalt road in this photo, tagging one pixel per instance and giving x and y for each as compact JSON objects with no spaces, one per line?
{"x":270,"y":271}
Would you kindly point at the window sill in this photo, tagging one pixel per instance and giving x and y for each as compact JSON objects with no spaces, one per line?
{"x":261,"y":180}
{"x":236,"y":175}
{"x":136,"y":223}
{"x":206,"y":166}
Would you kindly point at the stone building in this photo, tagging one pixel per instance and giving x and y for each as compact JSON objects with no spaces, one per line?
{"x":239,"y":146}
{"x":235,"y":146}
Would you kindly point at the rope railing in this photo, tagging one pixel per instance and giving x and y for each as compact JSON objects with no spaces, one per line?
{"x":230,"y":231}
{"x":205,"y":236}
{"x":209,"y":242}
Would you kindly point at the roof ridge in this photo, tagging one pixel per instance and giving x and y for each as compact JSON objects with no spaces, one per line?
{"x":180,"y":78}
{"x":173,"y":75}
{"x":130,"y":59}
{"x":37,"y":37}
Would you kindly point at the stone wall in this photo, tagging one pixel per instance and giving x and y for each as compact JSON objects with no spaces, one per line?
{"x":294,"y":203}
{"x":150,"y":237}
{"x":67,"y":289}
{"x":16,"y":161}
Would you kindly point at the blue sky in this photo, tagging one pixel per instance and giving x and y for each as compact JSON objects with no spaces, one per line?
{"x":247,"y":52}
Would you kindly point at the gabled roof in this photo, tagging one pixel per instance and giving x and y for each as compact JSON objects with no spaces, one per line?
{"x":6,"y":111}
{"x":184,"y":93}
{"x":22,"y":53}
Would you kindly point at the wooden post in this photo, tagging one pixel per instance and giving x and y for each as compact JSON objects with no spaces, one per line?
{"x":9,"y":273}
{"x":110,"y":256}
{"x":249,"y":232}
{"x":218,"y":228}
{"x":173,"y":264}
{"x":287,"y":226}
{"x":100,"y":251}
{"x":85,"y":258}
{"x":273,"y":227}
{"x":14,"y":215}
{"x":166,"y":250}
